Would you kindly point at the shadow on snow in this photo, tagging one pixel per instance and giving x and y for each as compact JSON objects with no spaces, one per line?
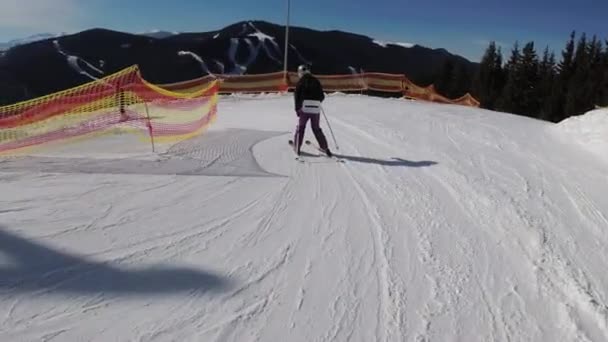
{"x":38,"y":267}
{"x":383,"y":162}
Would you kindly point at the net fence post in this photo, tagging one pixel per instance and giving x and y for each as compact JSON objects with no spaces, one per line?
{"x":150,"y":126}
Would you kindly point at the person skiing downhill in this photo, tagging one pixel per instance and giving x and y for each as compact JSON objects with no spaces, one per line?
{"x":308,"y":96}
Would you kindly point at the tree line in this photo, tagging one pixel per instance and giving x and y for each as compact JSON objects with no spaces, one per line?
{"x":532,"y":85}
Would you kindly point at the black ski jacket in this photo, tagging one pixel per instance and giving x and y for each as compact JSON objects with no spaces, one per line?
{"x":308,"y":88}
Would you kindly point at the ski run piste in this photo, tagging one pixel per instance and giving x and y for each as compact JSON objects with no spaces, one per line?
{"x":132,"y":212}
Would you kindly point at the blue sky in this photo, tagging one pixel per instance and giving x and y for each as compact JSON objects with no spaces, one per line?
{"x":464,"y":27}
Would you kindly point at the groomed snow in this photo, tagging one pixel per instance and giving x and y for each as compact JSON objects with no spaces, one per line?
{"x":261,"y":36}
{"x":590,"y":130}
{"x":74,"y":61}
{"x":445,"y":223}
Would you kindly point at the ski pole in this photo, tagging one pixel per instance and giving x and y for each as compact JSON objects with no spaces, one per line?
{"x":330,"y":130}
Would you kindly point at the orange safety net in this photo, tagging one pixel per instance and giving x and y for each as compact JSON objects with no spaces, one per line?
{"x":276,"y":82}
{"x":429,"y":93}
{"x":168,"y":112}
{"x":122,"y":101}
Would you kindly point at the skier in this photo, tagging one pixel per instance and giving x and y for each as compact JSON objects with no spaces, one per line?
{"x":308,"y":97}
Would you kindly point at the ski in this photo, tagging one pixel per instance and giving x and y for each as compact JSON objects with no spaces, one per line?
{"x":298,"y":157}
{"x":323,"y":154}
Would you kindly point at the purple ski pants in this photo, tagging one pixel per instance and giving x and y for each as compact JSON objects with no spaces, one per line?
{"x":316,"y":130}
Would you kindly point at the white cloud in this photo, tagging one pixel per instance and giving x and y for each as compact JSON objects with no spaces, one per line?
{"x":41,"y":15}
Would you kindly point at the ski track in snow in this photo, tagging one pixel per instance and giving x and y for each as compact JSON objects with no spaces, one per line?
{"x":444,"y":223}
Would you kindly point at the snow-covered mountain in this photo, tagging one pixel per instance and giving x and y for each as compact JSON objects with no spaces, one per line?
{"x":444,"y":223}
{"x":30,"y":39}
{"x":42,"y":36}
{"x":249,"y":47}
{"x":160,"y":34}
{"x":386,"y":44}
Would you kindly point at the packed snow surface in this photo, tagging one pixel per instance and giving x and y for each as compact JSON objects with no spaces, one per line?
{"x":444,"y":223}
{"x":590,"y":130}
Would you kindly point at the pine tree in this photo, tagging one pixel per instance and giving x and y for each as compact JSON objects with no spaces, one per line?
{"x":511,"y":97}
{"x":566,"y":66}
{"x":579,"y":94}
{"x":542,"y":88}
{"x":603,"y":91}
{"x":547,"y":74}
{"x":557,"y":99}
{"x":488,"y":81}
{"x":597,"y":70}
{"x":530,"y":80}
{"x":499,"y":78}
{"x":462,"y":81}
{"x":481,"y":83}
{"x":444,"y":83}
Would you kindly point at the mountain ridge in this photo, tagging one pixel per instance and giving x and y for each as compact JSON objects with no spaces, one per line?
{"x":246,"y":47}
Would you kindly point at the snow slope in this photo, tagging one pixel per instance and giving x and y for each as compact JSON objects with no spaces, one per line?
{"x":75,"y":61}
{"x":590,"y":130}
{"x":159,"y":34}
{"x":263,"y":41}
{"x":445,"y":223}
{"x":386,"y":44}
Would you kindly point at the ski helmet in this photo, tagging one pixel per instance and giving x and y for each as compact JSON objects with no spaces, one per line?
{"x":303,"y":69}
